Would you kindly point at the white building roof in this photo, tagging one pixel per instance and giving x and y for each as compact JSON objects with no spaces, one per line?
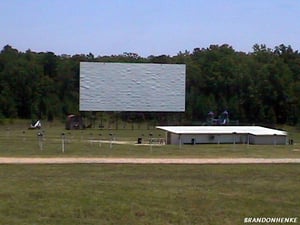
{"x":254,"y":130}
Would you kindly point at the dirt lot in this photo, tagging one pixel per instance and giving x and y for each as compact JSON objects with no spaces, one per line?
{"x":10,"y":160}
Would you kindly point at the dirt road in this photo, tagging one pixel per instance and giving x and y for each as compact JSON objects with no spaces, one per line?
{"x":73,"y":160}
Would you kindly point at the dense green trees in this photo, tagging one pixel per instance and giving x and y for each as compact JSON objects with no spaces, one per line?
{"x":262,"y":86}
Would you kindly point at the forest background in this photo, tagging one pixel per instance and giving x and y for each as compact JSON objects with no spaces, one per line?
{"x":262,"y":86}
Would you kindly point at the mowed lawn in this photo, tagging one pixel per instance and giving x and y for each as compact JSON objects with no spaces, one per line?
{"x":17,"y":141}
{"x":147,"y":194}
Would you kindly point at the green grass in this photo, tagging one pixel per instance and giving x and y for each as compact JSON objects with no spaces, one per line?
{"x":146,"y":194}
{"x":17,"y":140}
{"x":140,"y":194}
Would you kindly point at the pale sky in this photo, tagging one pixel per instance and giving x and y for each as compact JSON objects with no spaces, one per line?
{"x":146,"y":27}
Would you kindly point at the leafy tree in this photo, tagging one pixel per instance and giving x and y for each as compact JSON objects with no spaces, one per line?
{"x":262,"y":86}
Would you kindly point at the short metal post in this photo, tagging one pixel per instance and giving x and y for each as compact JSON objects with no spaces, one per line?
{"x":63,"y":138}
{"x":91,"y":138}
{"x":111,"y":140}
{"x":100,"y":140}
{"x":150,"y":140}
{"x":40,"y":140}
{"x":23,"y":135}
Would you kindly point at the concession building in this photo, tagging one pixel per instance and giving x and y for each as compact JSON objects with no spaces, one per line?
{"x":224,"y":135}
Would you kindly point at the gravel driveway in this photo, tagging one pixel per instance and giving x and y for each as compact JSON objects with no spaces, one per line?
{"x":74,"y":160}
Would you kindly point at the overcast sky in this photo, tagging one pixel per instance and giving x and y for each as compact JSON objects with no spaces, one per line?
{"x":146,"y":27}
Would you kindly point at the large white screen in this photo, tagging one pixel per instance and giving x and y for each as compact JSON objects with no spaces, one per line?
{"x":132,"y":87}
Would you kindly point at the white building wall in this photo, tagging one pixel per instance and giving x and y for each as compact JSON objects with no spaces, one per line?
{"x":225,"y":139}
{"x":206,"y":138}
{"x":269,"y":140}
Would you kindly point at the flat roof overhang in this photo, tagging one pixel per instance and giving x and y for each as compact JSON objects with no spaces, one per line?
{"x":219,"y":130}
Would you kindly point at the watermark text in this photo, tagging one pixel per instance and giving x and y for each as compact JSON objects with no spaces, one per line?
{"x":271,"y":220}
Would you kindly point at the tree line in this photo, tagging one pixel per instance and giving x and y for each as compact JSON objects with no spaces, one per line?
{"x":262,"y":86}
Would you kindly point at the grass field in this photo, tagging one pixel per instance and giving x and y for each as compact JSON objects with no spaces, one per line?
{"x":146,"y":194}
{"x":17,"y":140}
{"x":140,"y":194}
